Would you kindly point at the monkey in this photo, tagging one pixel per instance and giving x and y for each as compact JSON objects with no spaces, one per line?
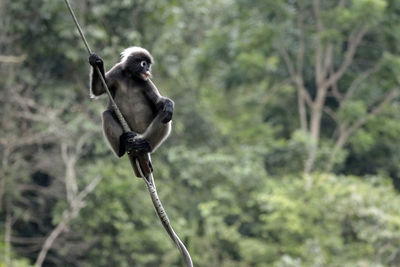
{"x":147,"y":113}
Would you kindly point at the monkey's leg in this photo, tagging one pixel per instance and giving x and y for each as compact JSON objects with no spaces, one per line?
{"x":155,"y":134}
{"x":157,"y":131}
{"x":112,"y":131}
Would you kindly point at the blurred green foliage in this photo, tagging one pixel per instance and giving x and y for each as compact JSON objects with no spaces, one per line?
{"x":231,"y":174}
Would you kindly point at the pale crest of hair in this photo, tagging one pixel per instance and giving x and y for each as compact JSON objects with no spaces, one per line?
{"x":132,"y":50}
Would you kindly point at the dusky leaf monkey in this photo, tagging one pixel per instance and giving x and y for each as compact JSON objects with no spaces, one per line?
{"x":147,"y":113}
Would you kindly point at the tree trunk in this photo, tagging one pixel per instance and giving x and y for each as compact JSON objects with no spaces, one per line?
{"x":315,"y":127}
{"x":302,"y":110}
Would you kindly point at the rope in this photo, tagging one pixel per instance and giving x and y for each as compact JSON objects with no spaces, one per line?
{"x":120,"y":117}
{"x":162,"y":215}
{"x":149,"y":180}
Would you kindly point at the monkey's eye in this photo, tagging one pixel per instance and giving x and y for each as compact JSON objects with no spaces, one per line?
{"x":143,"y":63}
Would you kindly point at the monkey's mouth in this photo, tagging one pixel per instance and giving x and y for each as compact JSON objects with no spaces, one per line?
{"x":145,"y":76}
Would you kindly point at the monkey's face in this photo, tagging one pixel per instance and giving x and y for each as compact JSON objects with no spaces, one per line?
{"x":145,"y":72}
{"x":139,"y":67}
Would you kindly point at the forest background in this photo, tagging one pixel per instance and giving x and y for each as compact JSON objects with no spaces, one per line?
{"x":285,"y":147}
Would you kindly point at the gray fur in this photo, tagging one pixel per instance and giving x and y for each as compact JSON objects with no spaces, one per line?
{"x":138,"y":99}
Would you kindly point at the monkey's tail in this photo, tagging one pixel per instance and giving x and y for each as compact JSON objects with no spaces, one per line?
{"x":161,"y":213}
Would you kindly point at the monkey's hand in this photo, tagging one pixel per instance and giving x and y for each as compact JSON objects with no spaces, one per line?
{"x":95,"y":60}
{"x":124,"y":141}
{"x":138,"y":146}
{"x":133,"y":144}
{"x":167,"y":110}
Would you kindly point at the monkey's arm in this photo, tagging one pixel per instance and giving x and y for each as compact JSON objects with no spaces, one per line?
{"x":96,"y":86}
{"x":164,"y":105}
{"x":160,"y":128}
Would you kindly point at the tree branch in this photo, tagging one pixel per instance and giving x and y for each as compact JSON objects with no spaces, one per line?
{"x":374,"y":111}
{"x":346,"y":132}
{"x":332,"y":114}
{"x":12,"y":59}
{"x":75,"y":206}
{"x":70,"y":160}
{"x":319,"y":75}
{"x":302,"y":94}
{"x":356,"y":82}
{"x":328,"y":59}
{"x":288,"y":62}
{"x":353,"y":43}
{"x":306,"y":95}
{"x":300,"y":52}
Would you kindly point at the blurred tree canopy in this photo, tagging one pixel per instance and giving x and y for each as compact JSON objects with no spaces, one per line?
{"x":285,"y":147}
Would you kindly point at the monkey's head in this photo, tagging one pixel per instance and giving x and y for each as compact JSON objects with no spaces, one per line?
{"x":137,"y":61}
